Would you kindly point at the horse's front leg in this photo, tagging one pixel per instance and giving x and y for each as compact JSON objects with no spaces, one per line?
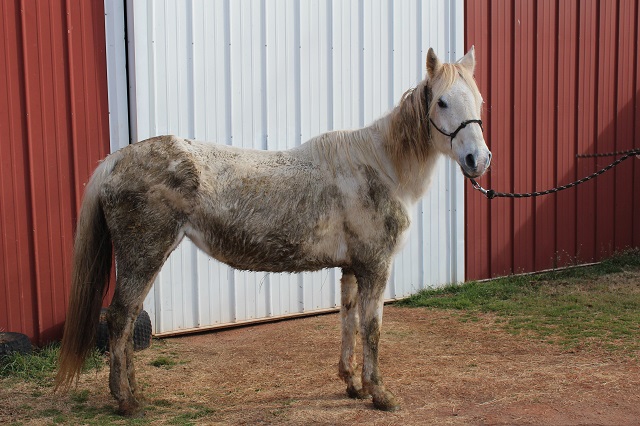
{"x":370,"y":300}
{"x":350,"y":327}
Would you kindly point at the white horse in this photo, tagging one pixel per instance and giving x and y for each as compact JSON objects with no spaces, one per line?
{"x":343,"y":199}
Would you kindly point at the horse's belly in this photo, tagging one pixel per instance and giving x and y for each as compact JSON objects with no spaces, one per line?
{"x":275,"y":251}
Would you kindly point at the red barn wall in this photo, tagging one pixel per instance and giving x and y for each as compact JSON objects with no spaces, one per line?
{"x":53,"y":130}
{"x":559,"y":78}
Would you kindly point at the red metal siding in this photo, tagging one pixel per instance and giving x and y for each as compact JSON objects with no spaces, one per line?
{"x":523,"y":160}
{"x":559,"y":78}
{"x":54,"y":119}
{"x":636,"y":135}
{"x":586,"y":106}
{"x":477,"y":213}
{"x":567,"y":55}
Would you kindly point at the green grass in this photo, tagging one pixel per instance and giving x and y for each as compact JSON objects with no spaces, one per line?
{"x":80,"y":397}
{"x":196,"y":412}
{"x":163,"y":361}
{"x":82,"y":413}
{"x":571,"y":307}
{"x":41,"y":365}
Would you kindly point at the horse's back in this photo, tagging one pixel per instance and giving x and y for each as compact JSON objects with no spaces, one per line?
{"x":263,"y":210}
{"x":252,"y":209}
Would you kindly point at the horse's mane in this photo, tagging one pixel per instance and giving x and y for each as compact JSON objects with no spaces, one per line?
{"x":354,"y":147}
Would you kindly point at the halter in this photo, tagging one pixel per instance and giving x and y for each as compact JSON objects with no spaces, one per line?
{"x":462,"y":125}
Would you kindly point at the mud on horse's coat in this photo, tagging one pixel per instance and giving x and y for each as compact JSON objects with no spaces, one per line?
{"x":342,"y":199}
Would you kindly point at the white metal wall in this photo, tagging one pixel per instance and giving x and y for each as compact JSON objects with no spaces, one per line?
{"x":114,"y":20}
{"x":270,"y":74}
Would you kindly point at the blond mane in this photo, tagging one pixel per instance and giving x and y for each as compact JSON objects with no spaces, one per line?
{"x":354,"y":147}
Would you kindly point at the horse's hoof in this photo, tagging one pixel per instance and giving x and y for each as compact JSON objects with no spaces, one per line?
{"x":357,"y":393}
{"x":386,"y":402}
{"x":131,"y":410}
{"x":138,"y":413}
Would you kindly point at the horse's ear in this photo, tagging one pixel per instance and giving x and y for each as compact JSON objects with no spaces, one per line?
{"x":433,"y":63}
{"x":469,"y":60}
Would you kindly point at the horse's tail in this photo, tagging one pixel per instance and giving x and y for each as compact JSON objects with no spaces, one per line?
{"x":90,"y":275}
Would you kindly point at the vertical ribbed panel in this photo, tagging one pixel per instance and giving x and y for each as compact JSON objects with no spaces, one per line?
{"x":559,"y":78}
{"x":54,"y":125}
{"x":270,"y":75}
{"x":114,"y":19}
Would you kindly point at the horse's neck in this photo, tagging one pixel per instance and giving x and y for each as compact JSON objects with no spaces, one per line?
{"x":349,"y":149}
{"x":425,"y":177}
{"x":416,"y":177}
{"x":413,"y":164}
{"x":408,"y":176}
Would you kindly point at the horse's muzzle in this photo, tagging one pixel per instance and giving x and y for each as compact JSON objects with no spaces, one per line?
{"x":472,"y":167}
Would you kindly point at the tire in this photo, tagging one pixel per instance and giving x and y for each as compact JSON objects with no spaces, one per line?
{"x":141,"y":332}
{"x":11,"y":342}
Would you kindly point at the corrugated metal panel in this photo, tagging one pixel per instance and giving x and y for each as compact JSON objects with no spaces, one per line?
{"x":478,"y":220}
{"x":560,"y":78}
{"x":54,"y":118}
{"x":270,"y":75}
{"x":114,"y":21}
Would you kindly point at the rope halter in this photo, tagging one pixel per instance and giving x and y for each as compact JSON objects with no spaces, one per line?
{"x":462,"y":125}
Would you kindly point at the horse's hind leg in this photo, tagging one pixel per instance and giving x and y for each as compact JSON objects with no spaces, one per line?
{"x":138,"y":261}
{"x":350,"y":325}
{"x":370,"y":299}
{"x":120,"y":319}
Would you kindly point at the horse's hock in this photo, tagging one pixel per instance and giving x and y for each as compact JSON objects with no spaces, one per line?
{"x":141,"y":332}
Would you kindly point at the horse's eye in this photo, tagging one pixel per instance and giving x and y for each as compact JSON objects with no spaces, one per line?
{"x":442,"y":104}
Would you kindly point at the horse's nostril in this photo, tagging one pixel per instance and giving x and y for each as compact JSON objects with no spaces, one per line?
{"x":471,"y":161}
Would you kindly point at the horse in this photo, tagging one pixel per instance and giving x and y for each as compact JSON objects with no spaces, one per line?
{"x":341,"y":200}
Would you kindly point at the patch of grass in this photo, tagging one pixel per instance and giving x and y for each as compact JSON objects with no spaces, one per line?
{"x":103,"y":416}
{"x":95,"y":361}
{"x":92,"y":415}
{"x":50,"y":412}
{"x":189,"y":417}
{"x":40,"y":366}
{"x":283,"y":410}
{"x":80,"y":397}
{"x":571,"y":307}
{"x":163,"y":361}
{"x":162,"y":403}
{"x":35,"y":367}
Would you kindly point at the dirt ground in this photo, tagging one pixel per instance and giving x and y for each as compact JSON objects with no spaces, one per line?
{"x":444,"y":371}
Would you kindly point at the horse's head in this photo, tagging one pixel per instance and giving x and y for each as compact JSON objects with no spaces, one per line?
{"x":454,"y":105}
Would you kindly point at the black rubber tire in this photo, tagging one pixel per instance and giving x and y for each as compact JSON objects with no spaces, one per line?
{"x":14,"y":342}
{"x":141,"y":332}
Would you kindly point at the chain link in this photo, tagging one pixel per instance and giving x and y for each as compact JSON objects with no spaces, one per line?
{"x":491,"y":194}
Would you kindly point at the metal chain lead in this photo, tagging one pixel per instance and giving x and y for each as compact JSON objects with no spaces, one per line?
{"x":491,"y":194}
